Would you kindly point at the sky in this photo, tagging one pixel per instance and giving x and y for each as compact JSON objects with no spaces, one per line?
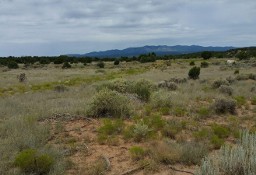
{"x":55,"y":27}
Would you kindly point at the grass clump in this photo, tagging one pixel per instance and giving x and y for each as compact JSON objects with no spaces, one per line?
{"x":222,"y":106}
{"x":253,"y":101}
{"x":240,"y":100}
{"x":220,"y":131}
{"x":108,"y":103}
{"x":137,"y":153}
{"x":32,"y":162}
{"x":111,"y":127}
{"x":168,"y":152}
{"x":204,"y":112}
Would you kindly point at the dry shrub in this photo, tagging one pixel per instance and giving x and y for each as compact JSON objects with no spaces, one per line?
{"x":217,"y":83}
{"x":226,"y":90}
{"x":108,"y":103}
{"x":222,"y":106}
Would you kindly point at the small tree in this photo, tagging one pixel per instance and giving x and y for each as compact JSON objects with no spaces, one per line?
{"x":194,"y":73}
{"x":206,"y":55}
{"x":242,"y":56}
{"x":101,"y":64}
{"x":116,"y":62}
{"x":12,"y":65}
{"x":66,"y":65}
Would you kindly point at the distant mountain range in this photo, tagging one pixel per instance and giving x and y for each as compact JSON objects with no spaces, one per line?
{"x":158,"y":50}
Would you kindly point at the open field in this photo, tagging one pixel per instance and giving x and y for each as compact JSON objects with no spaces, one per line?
{"x":155,"y":120}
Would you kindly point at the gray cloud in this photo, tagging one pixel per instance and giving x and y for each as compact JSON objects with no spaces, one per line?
{"x":53,"y":27}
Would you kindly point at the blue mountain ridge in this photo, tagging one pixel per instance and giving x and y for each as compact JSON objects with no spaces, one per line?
{"x":159,"y":50}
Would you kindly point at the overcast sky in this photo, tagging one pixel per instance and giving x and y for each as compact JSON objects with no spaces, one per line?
{"x":54,"y":27}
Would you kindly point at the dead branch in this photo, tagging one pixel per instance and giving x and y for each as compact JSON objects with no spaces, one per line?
{"x":182,"y":171}
{"x":132,"y":171}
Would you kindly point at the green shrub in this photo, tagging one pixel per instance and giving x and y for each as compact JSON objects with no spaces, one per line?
{"x":179,"y":111}
{"x":202,"y":134}
{"x":194,"y":73}
{"x":192,"y":63}
{"x":12,"y":65}
{"x":242,"y":55}
{"x":240,"y":100}
{"x":253,"y":101}
{"x":172,"y":128}
{"x":111,"y":127}
{"x":101,"y":64}
{"x":216,"y":142}
{"x":155,"y":122}
{"x":143,"y":89}
{"x":220,"y":131}
{"x":204,"y":64}
{"x":236,"y":71}
{"x":137,"y":152}
{"x":217,"y":83}
{"x":206,"y":55}
{"x":204,"y":112}
{"x":116,"y":62}
{"x":222,"y":106}
{"x":141,"y":131}
{"x":30,"y":161}
{"x":108,"y":103}
{"x":160,"y":99}
{"x":226,"y":90}
{"x":66,"y":65}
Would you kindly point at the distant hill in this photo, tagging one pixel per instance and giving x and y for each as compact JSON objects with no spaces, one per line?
{"x":158,"y":50}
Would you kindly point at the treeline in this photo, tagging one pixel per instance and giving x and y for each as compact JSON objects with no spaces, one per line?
{"x":11,"y":62}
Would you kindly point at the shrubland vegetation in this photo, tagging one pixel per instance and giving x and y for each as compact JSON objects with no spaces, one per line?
{"x":158,"y":114}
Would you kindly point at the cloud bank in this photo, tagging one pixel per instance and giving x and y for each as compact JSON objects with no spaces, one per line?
{"x":54,"y":27}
